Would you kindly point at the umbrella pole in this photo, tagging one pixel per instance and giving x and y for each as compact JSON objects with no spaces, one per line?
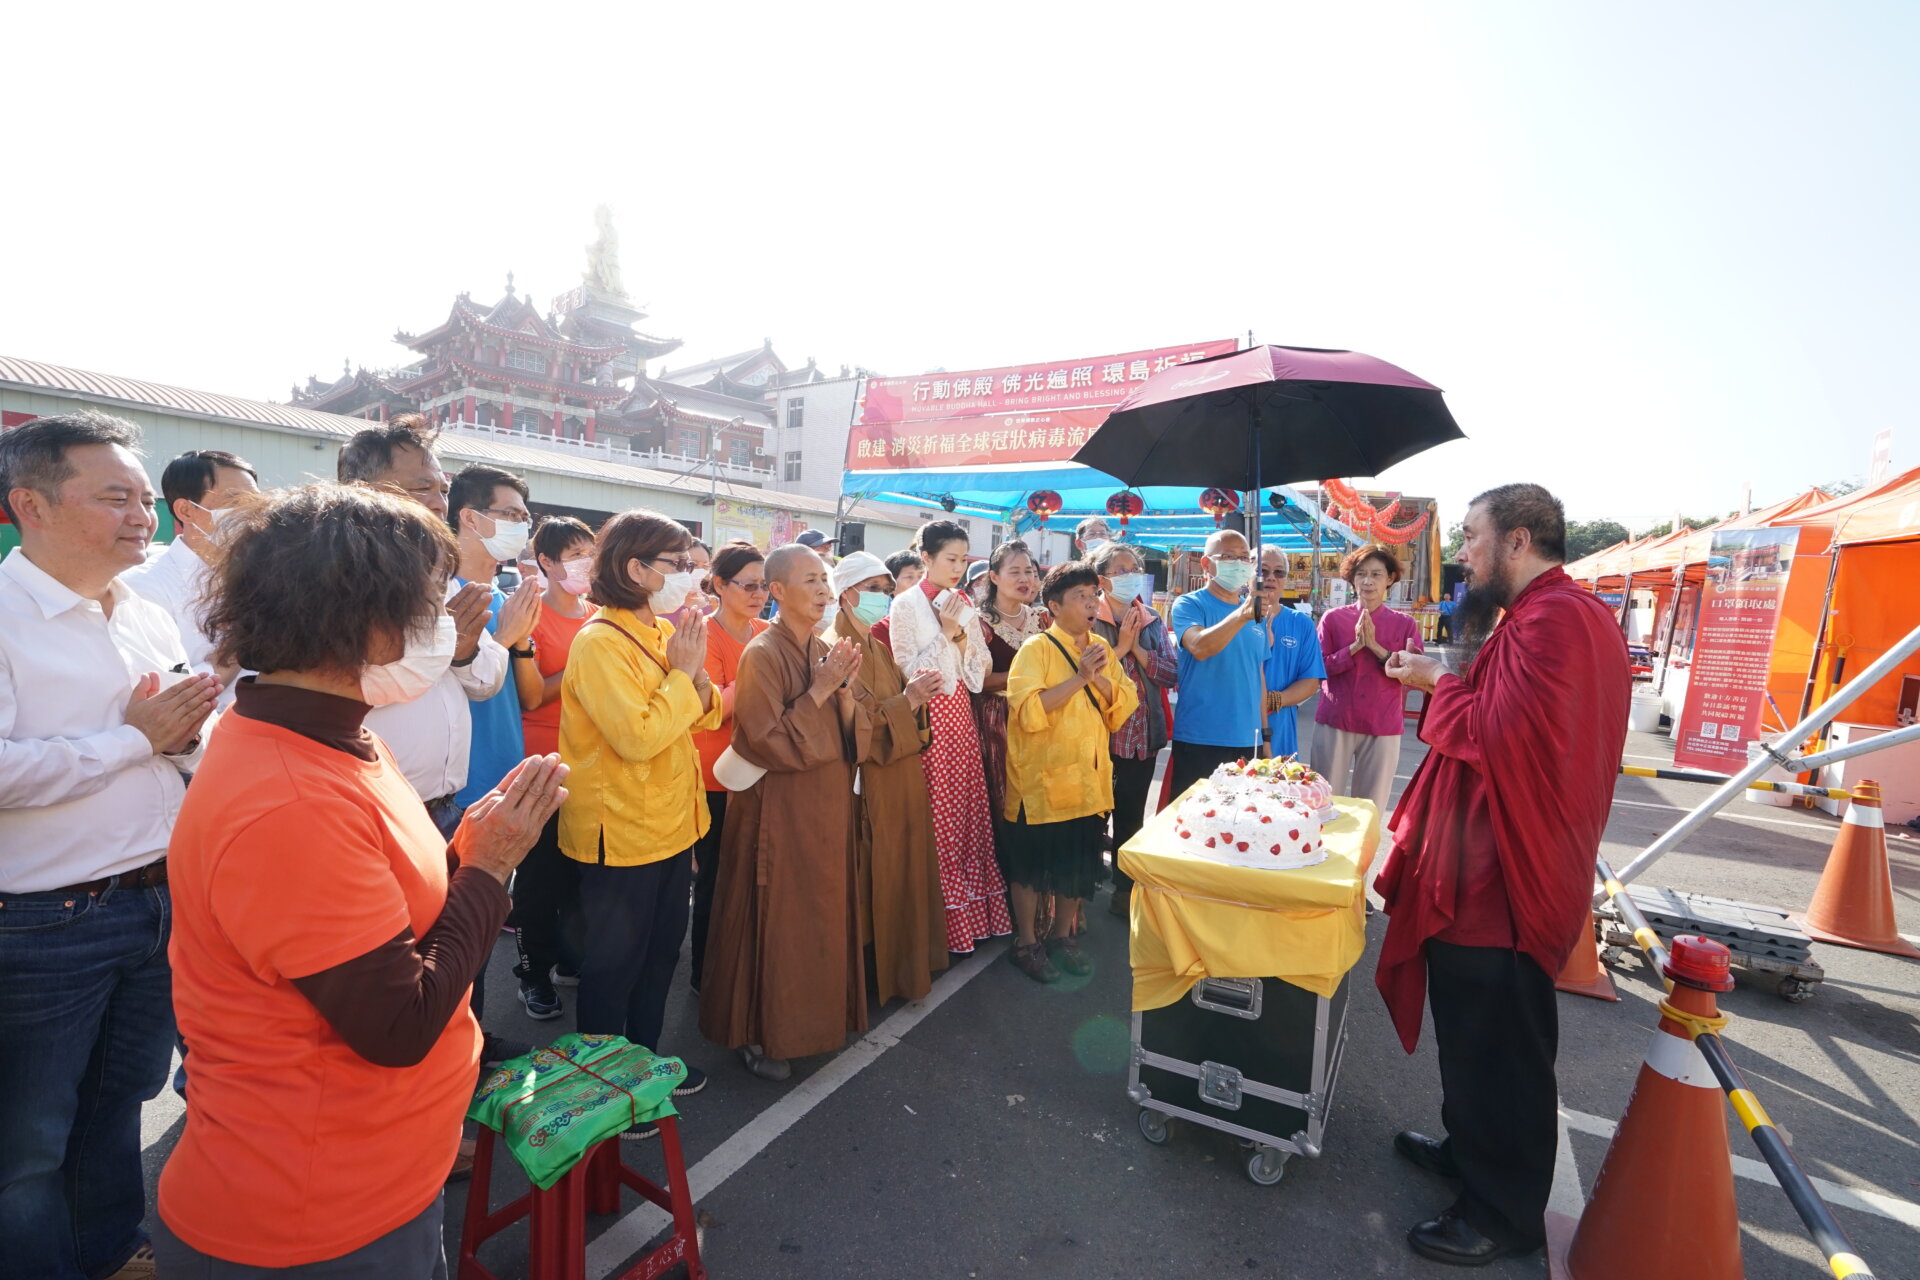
{"x":1265,"y":743}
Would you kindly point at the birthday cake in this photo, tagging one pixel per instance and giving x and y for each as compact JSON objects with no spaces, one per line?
{"x":1251,"y":814}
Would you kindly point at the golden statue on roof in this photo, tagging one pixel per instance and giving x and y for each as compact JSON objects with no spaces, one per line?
{"x":603,"y":257}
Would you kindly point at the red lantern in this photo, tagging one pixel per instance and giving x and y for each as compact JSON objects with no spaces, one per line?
{"x":1043,"y":503}
{"x":1220,"y":503}
{"x":1126,"y":504}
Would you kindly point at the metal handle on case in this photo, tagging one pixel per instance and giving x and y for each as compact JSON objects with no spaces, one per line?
{"x":1235,"y":997}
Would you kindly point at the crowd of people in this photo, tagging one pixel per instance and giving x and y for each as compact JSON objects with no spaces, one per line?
{"x":829,"y":767}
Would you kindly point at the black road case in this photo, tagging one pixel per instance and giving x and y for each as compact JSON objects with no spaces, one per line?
{"x":1254,"y":1057}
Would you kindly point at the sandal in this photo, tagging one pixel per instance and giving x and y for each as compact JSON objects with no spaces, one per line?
{"x":463,"y":1163}
{"x":1068,"y":956}
{"x":1032,"y":961}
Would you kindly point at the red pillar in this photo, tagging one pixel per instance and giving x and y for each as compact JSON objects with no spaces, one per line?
{"x":559,"y":427}
{"x":506,"y":414}
{"x":468,"y":415}
{"x":589,"y":423}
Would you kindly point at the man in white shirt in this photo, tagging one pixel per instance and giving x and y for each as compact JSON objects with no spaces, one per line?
{"x":195,"y":486}
{"x":430,"y":735}
{"x":99,"y":717}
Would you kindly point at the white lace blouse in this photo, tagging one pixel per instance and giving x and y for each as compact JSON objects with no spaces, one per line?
{"x":918,"y":643}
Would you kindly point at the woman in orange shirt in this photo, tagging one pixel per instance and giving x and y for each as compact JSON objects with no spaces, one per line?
{"x":546,"y":892}
{"x":739,"y":581}
{"x":325,"y":936}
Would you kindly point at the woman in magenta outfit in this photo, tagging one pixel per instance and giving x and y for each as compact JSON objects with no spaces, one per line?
{"x":1358,"y":723}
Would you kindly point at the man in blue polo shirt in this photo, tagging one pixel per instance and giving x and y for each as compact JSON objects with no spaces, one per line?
{"x":1295,"y":666}
{"x":1221,"y":657}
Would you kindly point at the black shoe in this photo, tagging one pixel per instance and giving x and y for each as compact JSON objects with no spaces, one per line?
{"x":1430,"y":1154}
{"x":1453,"y":1240}
{"x":495,"y":1050}
{"x":696,"y":1081}
{"x":541,"y":1000}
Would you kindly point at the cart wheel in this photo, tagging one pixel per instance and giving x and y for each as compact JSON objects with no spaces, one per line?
{"x":1265,"y":1166}
{"x":1153,"y":1126}
{"x":1795,"y":990}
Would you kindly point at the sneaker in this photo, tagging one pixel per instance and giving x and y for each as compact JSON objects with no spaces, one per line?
{"x":640,"y":1132}
{"x":139,"y":1267}
{"x":696,"y":1081}
{"x":1032,"y":961}
{"x":1121,"y":904}
{"x":495,"y":1050}
{"x":756,"y":1061}
{"x":564,"y":977}
{"x":542,"y":1001}
{"x":1068,"y":957}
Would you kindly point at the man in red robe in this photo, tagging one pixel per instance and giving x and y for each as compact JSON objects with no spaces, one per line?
{"x":1490,"y":880}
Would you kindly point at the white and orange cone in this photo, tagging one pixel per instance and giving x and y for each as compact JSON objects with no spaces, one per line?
{"x":1854,"y":904}
{"x":1663,"y":1201}
{"x":1582,"y":975}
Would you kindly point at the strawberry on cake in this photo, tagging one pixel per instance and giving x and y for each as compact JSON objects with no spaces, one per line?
{"x":1249,"y":828}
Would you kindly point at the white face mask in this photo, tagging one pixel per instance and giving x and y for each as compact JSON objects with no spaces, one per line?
{"x":1132,"y":586}
{"x":509,"y":539}
{"x":674,"y":593}
{"x":1234,"y":575}
{"x":419,"y":668}
{"x":1091,"y":545}
{"x":574,"y":575}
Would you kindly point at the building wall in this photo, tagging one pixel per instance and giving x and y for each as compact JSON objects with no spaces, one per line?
{"x":821,"y":440}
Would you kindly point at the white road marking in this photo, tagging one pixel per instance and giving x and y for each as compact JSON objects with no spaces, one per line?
{"x":1904,"y":1212}
{"x":1740,"y":817}
{"x":1566,"y":1197}
{"x":628,"y":1235}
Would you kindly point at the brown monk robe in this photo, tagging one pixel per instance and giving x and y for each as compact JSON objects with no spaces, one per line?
{"x":783,"y":975}
{"x":902,"y":915}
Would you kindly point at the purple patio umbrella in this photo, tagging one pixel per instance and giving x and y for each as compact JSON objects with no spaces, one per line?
{"x":1266,"y":416}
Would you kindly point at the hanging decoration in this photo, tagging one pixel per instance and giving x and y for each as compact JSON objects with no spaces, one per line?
{"x":1043,"y":503}
{"x":1374,"y":524}
{"x":1126,"y":504}
{"x":1220,"y":503}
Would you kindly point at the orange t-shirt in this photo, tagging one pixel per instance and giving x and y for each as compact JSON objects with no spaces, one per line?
{"x":289,"y":858}
{"x":553,"y":635}
{"x":723,"y":668}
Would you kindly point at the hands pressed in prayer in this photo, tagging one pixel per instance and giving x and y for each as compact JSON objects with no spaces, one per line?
{"x":1415,"y":670}
{"x":834,"y":671}
{"x":470,"y":606}
{"x":920,"y":689}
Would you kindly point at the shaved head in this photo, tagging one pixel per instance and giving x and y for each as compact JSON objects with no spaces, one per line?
{"x":1231,"y":541}
{"x":784,"y":562}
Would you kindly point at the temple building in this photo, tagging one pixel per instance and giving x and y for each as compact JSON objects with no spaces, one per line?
{"x":573,"y":377}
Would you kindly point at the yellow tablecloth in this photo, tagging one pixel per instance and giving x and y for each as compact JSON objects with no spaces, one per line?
{"x":1194,"y":918}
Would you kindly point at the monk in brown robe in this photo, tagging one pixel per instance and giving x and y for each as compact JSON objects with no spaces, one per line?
{"x":783,"y":976}
{"x":902,"y":915}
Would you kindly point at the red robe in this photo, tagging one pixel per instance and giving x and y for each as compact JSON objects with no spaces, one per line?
{"x":1527,"y":746}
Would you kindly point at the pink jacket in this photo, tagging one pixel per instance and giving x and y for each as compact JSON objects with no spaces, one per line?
{"x":1358,"y":695}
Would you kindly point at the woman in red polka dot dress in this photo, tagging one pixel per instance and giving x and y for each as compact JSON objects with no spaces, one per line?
{"x":933,"y":624}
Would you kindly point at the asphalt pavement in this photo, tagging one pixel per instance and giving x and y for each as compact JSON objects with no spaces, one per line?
{"x":986,"y":1132}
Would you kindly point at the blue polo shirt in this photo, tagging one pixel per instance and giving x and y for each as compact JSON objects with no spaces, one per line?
{"x":1219,"y":698}
{"x":498,"y":744}
{"x":1295,"y":656}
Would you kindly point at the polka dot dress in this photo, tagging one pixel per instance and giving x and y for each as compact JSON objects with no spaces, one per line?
{"x":963,"y":826}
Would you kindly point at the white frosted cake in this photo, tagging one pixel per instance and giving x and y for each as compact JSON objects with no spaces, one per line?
{"x":1252,"y":828}
{"x":1284,"y":779}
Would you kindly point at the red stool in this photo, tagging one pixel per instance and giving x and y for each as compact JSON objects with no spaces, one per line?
{"x":557,"y":1217}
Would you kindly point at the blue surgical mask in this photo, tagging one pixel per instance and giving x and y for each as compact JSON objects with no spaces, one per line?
{"x":873,"y":606}
{"x":1132,"y":586}
{"x":1234,"y":575}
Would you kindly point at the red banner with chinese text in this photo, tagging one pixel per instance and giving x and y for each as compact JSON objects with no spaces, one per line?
{"x":1013,"y":414}
{"x":1733,"y":646}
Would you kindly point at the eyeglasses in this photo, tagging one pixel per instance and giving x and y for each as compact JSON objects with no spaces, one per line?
{"x":1233,"y":559}
{"x":521,"y":516}
{"x":751,"y":588}
{"x":1273,"y":573}
{"x":680,"y":564}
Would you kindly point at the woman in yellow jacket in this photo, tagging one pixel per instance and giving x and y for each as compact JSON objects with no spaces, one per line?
{"x":634,"y":692}
{"x":1063,"y":705}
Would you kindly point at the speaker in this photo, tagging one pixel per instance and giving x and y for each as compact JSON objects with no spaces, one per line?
{"x":853,"y":536}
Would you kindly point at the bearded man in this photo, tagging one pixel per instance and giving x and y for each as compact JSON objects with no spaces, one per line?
{"x":1491,"y":876}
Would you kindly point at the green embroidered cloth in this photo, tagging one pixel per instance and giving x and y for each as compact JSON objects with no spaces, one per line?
{"x":552,"y":1105}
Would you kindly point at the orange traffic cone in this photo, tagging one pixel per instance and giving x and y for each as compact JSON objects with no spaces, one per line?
{"x":1582,"y":974}
{"x":1854,"y":904}
{"x":1663,"y":1201}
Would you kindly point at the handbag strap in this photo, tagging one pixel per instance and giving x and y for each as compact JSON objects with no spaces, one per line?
{"x":609,"y":622}
{"x":1086,"y":689}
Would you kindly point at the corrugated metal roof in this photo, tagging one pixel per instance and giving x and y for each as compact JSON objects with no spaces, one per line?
{"x":34,"y":375}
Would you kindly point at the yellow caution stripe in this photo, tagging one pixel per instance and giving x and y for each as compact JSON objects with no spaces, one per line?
{"x":1748,"y":1108}
{"x":1646,"y":937}
{"x":1849,"y":1264}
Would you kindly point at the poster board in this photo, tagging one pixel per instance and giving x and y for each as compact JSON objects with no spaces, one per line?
{"x":1740,"y":604}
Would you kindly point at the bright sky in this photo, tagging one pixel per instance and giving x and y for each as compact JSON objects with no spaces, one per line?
{"x":1652,"y":251}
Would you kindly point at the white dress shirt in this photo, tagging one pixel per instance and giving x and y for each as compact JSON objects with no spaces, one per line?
{"x":82,"y":793}
{"x":917,"y":641}
{"x":431,"y":736}
{"x":177,"y":580}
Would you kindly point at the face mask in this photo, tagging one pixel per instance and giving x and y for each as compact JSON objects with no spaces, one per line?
{"x":1132,"y":586}
{"x":1092,"y":545}
{"x":509,"y":539}
{"x":873,"y":606}
{"x":221,"y":521}
{"x":1234,"y":575}
{"x":428,"y":652}
{"x":574,"y":575}
{"x":674,"y":593}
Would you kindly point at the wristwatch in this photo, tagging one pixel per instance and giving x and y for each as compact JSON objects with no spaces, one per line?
{"x":527,"y":652}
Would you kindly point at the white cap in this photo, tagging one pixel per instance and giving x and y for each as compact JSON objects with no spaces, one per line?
{"x":857,"y":567}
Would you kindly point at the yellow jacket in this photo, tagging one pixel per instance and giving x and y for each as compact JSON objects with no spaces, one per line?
{"x":1058,"y":764}
{"x":626,"y":732}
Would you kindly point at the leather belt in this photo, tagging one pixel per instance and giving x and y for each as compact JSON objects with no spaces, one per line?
{"x":151,"y":876}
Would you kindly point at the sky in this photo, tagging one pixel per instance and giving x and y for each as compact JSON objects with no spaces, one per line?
{"x":1654,"y":253}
